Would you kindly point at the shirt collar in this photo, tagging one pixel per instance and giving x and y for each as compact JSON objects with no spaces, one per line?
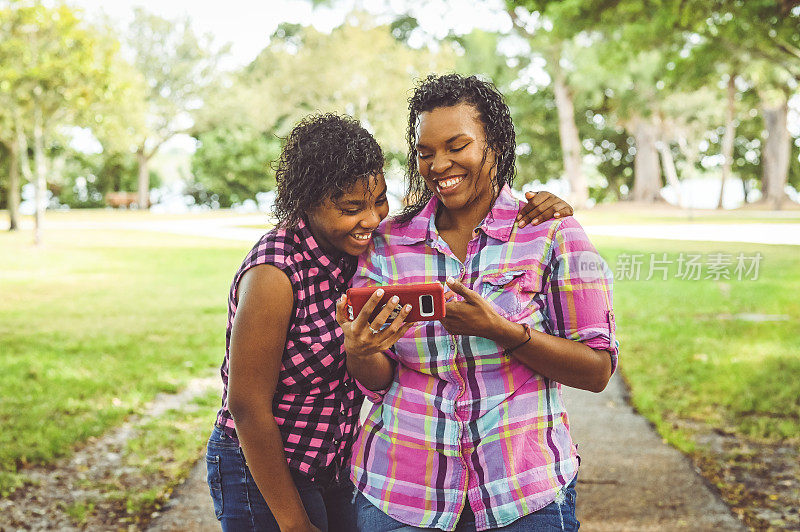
{"x":339,"y":268}
{"x":497,"y":224}
{"x":500,"y":221}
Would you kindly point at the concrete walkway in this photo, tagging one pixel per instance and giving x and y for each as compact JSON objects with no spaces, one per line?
{"x":758,"y":233}
{"x":629,"y":479}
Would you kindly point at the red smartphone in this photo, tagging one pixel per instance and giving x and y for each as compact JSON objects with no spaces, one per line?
{"x":426,"y":300}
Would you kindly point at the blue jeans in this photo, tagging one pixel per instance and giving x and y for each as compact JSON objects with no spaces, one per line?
{"x":558,"y":515}
{"x":239,"y":505}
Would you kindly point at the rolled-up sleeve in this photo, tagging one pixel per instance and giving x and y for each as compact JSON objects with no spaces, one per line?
{"x":579,"y":291}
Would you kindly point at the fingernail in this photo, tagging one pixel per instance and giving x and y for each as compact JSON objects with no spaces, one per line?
{"x":379,"y":291}
{"x":556,"y":215}
{"x":535,"y":221}
{"x":394,"y":299}
{"x":451,"y":280}
{"x":342,"y":298}
{"x":407,"y":308}
{"x":521,"y":224}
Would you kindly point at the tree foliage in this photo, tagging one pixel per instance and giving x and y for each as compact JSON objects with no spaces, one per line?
{"x":54,"y":73}
{"x":231,"y":165}
{"x":359,"y":69}
{"x":653,"y":61}
{"x":179,"y":69}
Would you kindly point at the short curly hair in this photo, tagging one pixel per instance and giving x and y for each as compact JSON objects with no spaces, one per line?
{"x":445,"y":91}
{"x":323,"y":157}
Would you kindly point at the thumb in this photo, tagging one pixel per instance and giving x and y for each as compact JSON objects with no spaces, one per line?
{"x":530,"y":194}
{"x":341,"y":310}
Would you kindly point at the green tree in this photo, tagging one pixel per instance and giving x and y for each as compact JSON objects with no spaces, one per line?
{"x":756,"y":40}
{"x":232,"y":165}
{"x":359,"y":69}
{"x":179,"y":68}
{"x":551,"y":39}
{"x":86,"y":178}
{"x":54,"y":71}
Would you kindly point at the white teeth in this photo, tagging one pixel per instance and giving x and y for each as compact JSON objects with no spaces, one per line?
{"x":451,"y":182}
{"x":365,"y":236}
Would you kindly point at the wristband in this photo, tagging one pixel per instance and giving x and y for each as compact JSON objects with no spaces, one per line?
{"x":508,"y":352}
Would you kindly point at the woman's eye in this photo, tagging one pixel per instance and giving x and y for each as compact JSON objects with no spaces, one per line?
{"x":458,"y":149}
{"x":351,"y":212}
{"x":424,"y":156}
{"x":381,"y":200}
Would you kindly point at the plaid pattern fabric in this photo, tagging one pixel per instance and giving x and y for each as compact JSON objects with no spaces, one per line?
{"x":462,"y":423}
{"x":316,"y":403}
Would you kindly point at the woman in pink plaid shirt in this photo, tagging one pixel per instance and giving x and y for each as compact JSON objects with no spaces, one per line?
{"x":468,"y":430}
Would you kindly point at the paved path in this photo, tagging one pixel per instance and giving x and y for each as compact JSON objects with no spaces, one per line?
{"x":758,"y":233}
{"x":629,"y":479}
{"x":190,"y":507}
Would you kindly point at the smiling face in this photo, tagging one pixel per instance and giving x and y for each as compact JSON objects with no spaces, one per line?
{"x":345,"y":225}
{"x":453,"y":158}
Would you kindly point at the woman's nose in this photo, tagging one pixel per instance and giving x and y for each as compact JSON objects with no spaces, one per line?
{"x":440,"y":163}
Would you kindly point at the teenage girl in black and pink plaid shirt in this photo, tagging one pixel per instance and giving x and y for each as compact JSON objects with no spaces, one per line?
{"x":279,"y":452}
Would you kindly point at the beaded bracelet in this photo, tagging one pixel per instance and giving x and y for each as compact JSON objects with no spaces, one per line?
{"x":508,"y":352}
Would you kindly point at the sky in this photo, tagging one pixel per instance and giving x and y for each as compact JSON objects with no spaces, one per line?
{"x":247,"y":24}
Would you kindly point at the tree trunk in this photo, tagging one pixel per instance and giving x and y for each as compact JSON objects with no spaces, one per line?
{"x":24,"y":162}
{"x":728,"y":138}
{"x":746,"y":190}
{"x":40,"y":187}
{"x":13,"y":186}
{"x":143,"y":196}
{"x":671,"y":173}
{"x":570,"y":141}
{"x":775,"y":154}
{"x":646,"y":170}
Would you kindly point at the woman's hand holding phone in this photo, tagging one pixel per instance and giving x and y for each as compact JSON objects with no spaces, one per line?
{"x":364,"y":338}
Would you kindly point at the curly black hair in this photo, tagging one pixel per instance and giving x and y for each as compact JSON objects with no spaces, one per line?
{"x":323,"y":157}
{"x":445,"y":91}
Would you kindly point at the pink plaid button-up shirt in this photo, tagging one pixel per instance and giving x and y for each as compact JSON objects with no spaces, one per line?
{"x":462,"y":423}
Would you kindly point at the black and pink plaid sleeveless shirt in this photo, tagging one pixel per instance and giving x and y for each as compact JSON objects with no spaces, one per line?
{"x":316,"y":403}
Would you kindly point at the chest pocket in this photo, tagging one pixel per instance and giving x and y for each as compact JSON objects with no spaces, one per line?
{"x":511,"y":291}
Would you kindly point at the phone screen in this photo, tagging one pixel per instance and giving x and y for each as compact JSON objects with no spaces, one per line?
{"x":426,"y":307}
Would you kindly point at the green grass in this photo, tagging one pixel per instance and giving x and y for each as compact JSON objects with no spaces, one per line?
{"x":686,"y":354}
{"x":93,"y":325}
